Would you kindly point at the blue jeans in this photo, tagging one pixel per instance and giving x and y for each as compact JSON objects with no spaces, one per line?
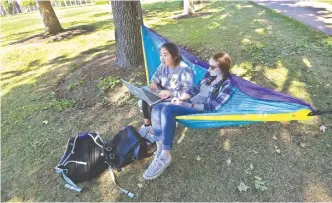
{"x":164,"y":122}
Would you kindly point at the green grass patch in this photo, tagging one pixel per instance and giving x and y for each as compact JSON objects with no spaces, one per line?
{"x":107,"y":84}
{"x":75,"y":84}
{"x":62,"y":104}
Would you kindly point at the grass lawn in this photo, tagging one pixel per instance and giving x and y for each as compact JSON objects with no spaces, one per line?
{"x":53,"y":88}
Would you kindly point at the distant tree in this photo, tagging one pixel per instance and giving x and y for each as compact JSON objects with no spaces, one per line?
{"x":8,"y":6}
{"x":51,"y":22}
{"x":16,"y":7}
{"x":2,"y":10}
{"x":28,"y":3}
{"x":127,"y":16}
{"x":188,"y":7}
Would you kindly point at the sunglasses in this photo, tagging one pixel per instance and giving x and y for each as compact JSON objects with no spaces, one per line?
{"x":212,"y":67}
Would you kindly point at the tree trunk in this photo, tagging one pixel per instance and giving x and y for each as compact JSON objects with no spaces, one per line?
{"x":188,"y":7}
{"x":3,"y":12}
{"x":51,"y":22}
{"x":17,"y":7}
{"x":127,"y":16}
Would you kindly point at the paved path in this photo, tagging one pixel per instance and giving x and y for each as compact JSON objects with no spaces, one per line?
{"x":315,"y":14}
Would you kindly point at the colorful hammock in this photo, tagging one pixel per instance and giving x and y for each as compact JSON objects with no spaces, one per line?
{"x":250,"y":103}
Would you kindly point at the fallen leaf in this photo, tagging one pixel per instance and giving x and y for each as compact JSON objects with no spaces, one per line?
{"x":255,"y":152}
{"x":258,"y":178}
{"x":139,"y":185}
{"x":229,"y":161}
{"x":243,"y":187}
{"x":248,"y":170}
{"x":277,"y":149}
{"x":322,"y":128}
{"x":45,"y":122}
{"x":260,"y":184}
{"x":198,"y":158}
{"x":274,"y":137}
{"x":302,"y":144}
{"x":251,"y":167}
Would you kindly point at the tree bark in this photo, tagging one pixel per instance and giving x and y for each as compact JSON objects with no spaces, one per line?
{"x":17,"y":7}
{"x":127,"y":16}
{"x":51,"y":22}
{"x":188,"y":7}
{"x":3,"y":12}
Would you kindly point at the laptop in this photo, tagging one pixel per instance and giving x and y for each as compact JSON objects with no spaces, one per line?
{"x":144,"y":93}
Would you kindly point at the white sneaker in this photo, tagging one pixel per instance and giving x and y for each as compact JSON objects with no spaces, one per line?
{"x":149,"y":136}
{"x":144,"y":130}
{"x":156,"y":167}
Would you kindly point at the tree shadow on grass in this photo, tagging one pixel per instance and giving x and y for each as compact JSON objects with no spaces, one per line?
{"x":46,"y":185}
{"x":67,"y":34}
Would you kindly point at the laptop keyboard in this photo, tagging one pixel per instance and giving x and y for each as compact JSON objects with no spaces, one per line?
{"x":151,"y":96}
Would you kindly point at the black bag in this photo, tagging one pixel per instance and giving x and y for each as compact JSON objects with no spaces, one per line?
{"x":83,"y":159}
{"x":126,"y":147}
{"x":87,"y":156}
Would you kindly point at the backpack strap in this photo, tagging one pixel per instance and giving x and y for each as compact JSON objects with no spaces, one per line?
{"x":70,"y":184}
{"x":128,"y":193}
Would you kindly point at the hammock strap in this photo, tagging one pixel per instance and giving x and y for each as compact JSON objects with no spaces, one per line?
{"x":318,"y":112}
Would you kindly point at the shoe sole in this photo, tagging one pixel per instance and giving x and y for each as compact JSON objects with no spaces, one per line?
{"x":155,"y":176}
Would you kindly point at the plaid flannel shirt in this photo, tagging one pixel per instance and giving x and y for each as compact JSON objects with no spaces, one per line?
{"x":219,"y":93}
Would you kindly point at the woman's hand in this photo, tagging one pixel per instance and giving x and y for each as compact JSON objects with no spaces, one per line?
{"x":153,"y":86}
{"x":185,"y":96}
{"x":164,"y":94}
{"x":176,"y":101}
{"x":179,"y":102}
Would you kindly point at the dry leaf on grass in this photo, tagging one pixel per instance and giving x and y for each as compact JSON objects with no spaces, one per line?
{"x":45,"y":122}
{"x":243,"y":187}
{"x":260,"y":184}
{"x":229,"y":161}
{"x":198,"y":158}
{"x":322,"y":128}
{"x":277,"y":149}
{"x":139,"y":185}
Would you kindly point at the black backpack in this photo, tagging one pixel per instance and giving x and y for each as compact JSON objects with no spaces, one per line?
{"x":126,"y":147}
{"x":87,"y":156}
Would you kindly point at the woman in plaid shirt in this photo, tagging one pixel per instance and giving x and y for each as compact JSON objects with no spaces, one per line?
{"x":212,"y":92}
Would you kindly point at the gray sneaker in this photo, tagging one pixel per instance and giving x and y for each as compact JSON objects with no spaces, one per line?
{"x":156,"y":167}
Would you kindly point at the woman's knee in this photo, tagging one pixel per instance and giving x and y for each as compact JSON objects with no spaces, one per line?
{"x":156,"y":110}
{"x":168,"y":110}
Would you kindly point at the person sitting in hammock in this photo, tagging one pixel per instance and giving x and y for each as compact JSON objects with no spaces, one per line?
{"x":173,"y":77}
{"x":213,"y":91}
